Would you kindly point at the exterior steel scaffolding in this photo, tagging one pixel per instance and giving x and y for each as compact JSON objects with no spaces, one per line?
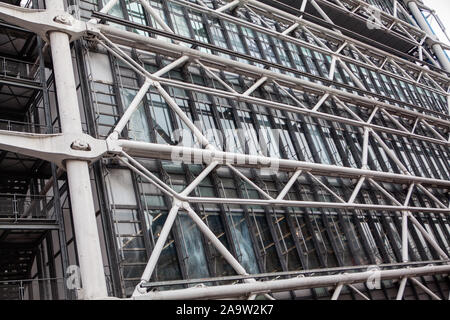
{"x":212,"y":149}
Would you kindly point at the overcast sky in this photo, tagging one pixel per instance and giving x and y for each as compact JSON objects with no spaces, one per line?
{"x":442,"y":8}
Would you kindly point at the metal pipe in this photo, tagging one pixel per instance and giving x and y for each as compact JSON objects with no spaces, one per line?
{"x":216,"y":242}
{"x":289,"y":184}
{"x":293,"y":19}
{"x":228,"y":6}
{"x":174,"y":106}
{"x":437,"y":134}
{"x":134,"y":105}
{"x":440,"y":54}
{"x":255,"y":70}
{"x":299,"y":273}
{"x":280,"y":106}
{"x":155,"y":15}
{"x":401,"y":289}
{"x":271,"y":202}
{"x":356,"y":190}
{"x":167,"y":227}
{"x":313,"y":204}
{"x":151,"y":264}
{"x":427,"y":236}
{"x":108,"y":6}
{"x":325,"y":187}
{"x":149,"y":177}
{"x":365,"y":151}
{"x":320,"y":102}
{"x":174,"y":64}
{"x":358,"y":291}
{"x":404,"y":236}
{"x":83,"y":211}
{"x":424,"y":288}
{"x":255,"y":86}
{"x":236,"y":290}
{"x":169,"y":152}
{"x":199,"y":178}
{"x":250,"y":182}
{"x":337,"y":291}
{"x":428,"y":193}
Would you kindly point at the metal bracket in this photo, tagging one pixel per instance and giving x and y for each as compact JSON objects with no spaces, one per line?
{"x":53,"y":147}
{"x":44,"y":21}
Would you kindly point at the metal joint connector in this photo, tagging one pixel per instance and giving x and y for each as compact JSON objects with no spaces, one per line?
{"x":80,"y":145}
{"x":66,"y":19}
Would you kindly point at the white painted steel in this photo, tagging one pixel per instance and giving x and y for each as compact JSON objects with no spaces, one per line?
{"x":83,"y":212}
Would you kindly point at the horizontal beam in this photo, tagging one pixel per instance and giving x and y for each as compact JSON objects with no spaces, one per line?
{"x":240,"y":289}
{"x":174,"y":50}
{"x":27,"y":224}
{"x":176,"y":153}
{"x":315,"y":27}
{"x":281,"y":274}
{"x":295,"y":109}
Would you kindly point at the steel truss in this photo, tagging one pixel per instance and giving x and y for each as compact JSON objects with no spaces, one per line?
{"x":373,"y":58}
{"x":74,"y":150}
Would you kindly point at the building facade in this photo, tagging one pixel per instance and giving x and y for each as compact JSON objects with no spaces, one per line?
{"x":215,"y":149}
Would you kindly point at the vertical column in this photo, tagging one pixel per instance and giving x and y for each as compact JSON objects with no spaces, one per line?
{"x":83,"y":212}
{"x":440,"y":54}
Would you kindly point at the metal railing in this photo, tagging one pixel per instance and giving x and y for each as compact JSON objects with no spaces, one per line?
{"x":43,"y":289}
{"x":18,"y":207}
{"x":25,"y":127}
{"x":33,"y":289}
{"x":18,"y":69}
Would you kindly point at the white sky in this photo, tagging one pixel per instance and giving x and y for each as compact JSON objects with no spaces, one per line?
{"x":442,"y":8}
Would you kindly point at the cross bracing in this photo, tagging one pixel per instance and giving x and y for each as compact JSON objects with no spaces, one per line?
{"x":288,"y":98}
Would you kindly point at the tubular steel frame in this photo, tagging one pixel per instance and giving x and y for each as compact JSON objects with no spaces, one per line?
{"x":74,"y":150}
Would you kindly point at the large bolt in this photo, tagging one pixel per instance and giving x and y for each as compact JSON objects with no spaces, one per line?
{"x":80,"y":145}
{"x":64,"y":19}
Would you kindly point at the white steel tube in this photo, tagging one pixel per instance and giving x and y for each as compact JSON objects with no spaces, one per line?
{"x":83,"y":212}
{"x":167,"y":152}
{"x":216,"y":242}
{"x":365,"y":151}
{"x":273,"y":202}
{"x":199,"y":178}
{"x":440,"y":54}
{"x":254,"y":185}
{"x":169,"y":223}
{"x":151,"y":264}
{"x":405,"y":236}
{"x":236,"y":290}
{"x":171,"y":66}
{"x":228,"y":6}
{"x":134,"y":105}
{"x":428,"y":193}
{"x":174,"y":106}
{"x":358,"y":291}
{"x":293,"y":19}
{"x":401,"y":289}
{"x":255,"y":86}
{"x":356,"y":190}
{"x":155,"y":15}
{"x":427,"y":236}
{"x":217,"y":60}
{"x":289,"y":184}
{"x":325,"y":187}
{"x":424,"y":288}
{"x":337,"y":291}
{"x":108,"y":6}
